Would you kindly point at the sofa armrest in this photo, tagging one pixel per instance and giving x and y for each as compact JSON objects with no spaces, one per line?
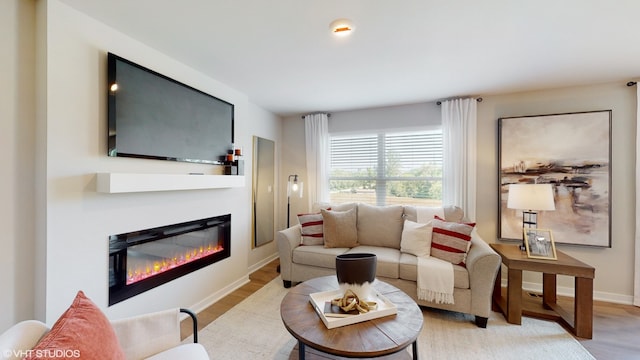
{"x":287,"y":241}
{"x":145,"y":335}
{"x":482,"y":263}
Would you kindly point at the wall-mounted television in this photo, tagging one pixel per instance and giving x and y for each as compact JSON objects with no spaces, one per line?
{"x":152,"y":116}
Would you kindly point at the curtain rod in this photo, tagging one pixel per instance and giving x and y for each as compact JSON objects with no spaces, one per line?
{"x":328,"y":114}
{"x":630,"y":83}
{"x":440,"y":102}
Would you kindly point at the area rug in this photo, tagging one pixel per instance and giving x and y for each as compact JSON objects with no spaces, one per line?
{"x":253,"y":330}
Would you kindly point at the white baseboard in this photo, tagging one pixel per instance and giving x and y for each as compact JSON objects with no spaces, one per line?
{"x":213,"y":298}
{"x":258,"y":266}
{"x":569,"y":292}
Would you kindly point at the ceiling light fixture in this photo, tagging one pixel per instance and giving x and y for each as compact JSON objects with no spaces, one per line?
{"x":342,"y":27}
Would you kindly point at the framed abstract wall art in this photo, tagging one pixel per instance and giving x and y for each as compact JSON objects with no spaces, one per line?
{"x":572,"y":152}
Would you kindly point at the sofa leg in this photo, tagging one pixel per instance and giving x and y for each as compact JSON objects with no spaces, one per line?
{"x":286,"y":283}
{"x":481,"y":322}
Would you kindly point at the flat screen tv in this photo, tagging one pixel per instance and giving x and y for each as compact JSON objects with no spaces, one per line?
{"x":152,"y":116}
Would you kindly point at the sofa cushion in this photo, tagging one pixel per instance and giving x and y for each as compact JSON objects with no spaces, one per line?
{"x":409,"y":271}
{"x":387,"y":259}
{"x":311,"y":229}
{"x":451,"y":240}
{"x":416,"y":238}
{"x":451,"y":213}
{"x":340,"y":228}
{"x":81,"y":331}
{"x":317,"y":255}
{"x":380,"y":225}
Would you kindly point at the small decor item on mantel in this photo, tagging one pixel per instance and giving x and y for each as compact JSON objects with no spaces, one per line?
{"x":539,"y":244}
{"x":356,"y":272}
{"x":233,"y":165}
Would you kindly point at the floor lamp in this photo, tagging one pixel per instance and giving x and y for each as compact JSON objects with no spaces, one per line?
{"x":293,"y":186}
{"x":530,"y":198}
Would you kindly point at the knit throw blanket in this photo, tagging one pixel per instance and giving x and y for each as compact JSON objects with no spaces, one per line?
{"x":435,"y":276}
{"x":435,"y":280}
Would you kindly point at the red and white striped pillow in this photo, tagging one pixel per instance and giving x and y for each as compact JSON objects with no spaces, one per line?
{"x":312,"y":225}
{"x":451,"y":240}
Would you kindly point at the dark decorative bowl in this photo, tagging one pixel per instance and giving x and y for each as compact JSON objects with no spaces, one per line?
{"x":356,"y":268}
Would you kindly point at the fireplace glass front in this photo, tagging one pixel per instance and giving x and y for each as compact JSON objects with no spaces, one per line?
{"x":142,"y":260}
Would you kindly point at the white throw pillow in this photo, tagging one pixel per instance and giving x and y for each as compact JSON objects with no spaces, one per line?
{"x":416,"y":238}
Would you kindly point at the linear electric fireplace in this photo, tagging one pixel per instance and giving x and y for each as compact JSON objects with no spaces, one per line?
{"x":142,"y":260}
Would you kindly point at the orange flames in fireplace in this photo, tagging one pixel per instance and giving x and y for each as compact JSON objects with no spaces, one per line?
{"x":140,"y":269}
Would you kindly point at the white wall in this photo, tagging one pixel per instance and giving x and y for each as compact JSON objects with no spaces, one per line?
{"x":614,"y":266}
{"x":293,"y":162}
{"x":73,"y":220}
{"x":269,"y":127}
{"x":404,"y":117}
{"x":53,"y":141}
{"x":17,"y":136}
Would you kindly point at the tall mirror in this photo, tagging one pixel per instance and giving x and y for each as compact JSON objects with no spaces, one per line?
{"x":263,"y":191}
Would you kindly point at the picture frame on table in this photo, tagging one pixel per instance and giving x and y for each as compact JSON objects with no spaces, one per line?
{"x":539,"y":244}
{"x":572,"y":153}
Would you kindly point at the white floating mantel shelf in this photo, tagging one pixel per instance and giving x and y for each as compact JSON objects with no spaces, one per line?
{"x":112,"y":183}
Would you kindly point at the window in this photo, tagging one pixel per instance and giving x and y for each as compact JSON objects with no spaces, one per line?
{"x":387,"y":168}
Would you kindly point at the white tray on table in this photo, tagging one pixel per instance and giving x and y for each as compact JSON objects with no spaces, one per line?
{"x":318,"y":300}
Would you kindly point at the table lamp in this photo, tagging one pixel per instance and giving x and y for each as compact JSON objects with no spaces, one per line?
{"x":530,"y":198}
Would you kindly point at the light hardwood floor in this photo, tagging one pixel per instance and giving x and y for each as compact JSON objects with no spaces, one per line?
{"x":616,"y":332}
{"x":616,"y":328}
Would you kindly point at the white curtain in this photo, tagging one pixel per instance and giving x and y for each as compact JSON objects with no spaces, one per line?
{"x":317,"y":145}
{"x":636,"y":281}
{"x":459,"y":142}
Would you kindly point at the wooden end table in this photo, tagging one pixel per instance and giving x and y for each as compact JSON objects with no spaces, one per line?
{"x":580,"y":321}
{"x":372,"y":338}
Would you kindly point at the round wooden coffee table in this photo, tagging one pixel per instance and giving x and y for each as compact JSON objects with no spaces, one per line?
{"x":371,"y":338}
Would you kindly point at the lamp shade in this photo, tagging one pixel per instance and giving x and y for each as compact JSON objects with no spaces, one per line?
{"x":294,"y":185}
{"x":531,"y":197}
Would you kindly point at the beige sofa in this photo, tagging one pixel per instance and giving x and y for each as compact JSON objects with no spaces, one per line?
{"x":379,"y":232}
